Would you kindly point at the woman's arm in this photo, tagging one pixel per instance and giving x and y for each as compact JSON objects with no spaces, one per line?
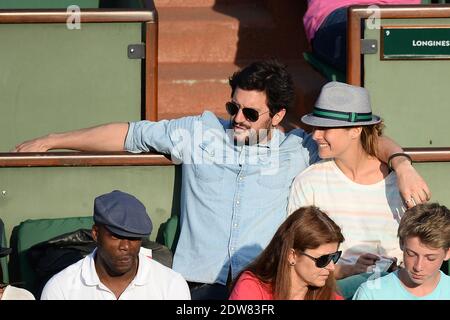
{"x":412,"y":186}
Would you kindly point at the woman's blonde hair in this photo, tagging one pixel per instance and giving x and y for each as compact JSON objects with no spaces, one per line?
{"x":369,"y":138}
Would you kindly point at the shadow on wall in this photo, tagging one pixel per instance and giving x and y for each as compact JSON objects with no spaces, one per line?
{"x":267,"y":28}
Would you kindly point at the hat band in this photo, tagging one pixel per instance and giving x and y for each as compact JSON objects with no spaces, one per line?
{"x":342,"y":116}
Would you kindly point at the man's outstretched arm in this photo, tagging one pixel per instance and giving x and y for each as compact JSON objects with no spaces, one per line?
{"x":107,"y":137}
{"x":413,"y":188}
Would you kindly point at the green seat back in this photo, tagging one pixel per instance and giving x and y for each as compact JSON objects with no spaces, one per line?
{"x":31,"y":232}
{"x":171,"y":232}
{"x":329,"y":72}
{"x":434,"y":1}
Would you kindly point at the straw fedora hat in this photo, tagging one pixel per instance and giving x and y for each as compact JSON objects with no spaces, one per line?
{"x":341,"y":105}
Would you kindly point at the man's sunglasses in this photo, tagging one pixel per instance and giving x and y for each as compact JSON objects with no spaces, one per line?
{"x":323,"y":261}
{"x":250,"y":114}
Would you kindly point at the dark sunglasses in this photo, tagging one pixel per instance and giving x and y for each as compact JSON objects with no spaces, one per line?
{"x":323,"y":261}
{"x":250,"y":114}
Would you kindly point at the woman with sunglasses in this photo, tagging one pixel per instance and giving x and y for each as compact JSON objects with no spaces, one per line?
{"x":356,"y":189}
{"x":298,"y":263}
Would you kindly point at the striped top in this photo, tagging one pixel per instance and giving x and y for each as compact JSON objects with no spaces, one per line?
{"x":369,"y":215}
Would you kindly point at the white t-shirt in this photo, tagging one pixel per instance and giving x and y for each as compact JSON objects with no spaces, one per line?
{"x":80,"y":281}
{"x":14,"y":293}
{"x":369,"y":215}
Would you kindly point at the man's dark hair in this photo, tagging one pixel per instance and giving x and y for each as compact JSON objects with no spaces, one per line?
{"x":269,"y":76}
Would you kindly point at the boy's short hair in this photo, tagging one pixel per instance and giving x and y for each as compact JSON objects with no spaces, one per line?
{"x":429,"y":222}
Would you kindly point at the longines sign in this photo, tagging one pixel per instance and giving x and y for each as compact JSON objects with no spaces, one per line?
{"x":412,"y":42}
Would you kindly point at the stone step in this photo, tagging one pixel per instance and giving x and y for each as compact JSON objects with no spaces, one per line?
{"x":190,"y":88}
{"x":222,"y":34}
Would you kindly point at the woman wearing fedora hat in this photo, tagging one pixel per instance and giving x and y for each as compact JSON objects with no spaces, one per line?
{"x":8,"y":292}
{"x":351,"y":184}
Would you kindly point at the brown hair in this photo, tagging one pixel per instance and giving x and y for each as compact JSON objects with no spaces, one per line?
{"x":306,"y":228}
{"x":268,"y":76}
{"x":429,"y":222}
{"x":369,"y":137}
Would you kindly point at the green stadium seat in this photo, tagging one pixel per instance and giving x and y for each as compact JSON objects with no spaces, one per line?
{"x":31,"y":232}
{"x":348,"y":286}
{"x":171,"y":232}
{"x":329,"y":72}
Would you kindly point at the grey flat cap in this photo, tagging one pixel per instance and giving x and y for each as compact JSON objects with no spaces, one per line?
{"x":122,"y":214}
{"x":341,"y":105}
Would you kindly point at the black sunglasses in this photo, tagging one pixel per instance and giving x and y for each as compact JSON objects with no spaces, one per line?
{"x":250,"y":114}
{"x":323,"y":261}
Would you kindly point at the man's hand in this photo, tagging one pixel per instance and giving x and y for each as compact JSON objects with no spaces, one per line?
{"x":394,"y":266}
{"x":365,"y":263}
{"x":35,"y":145}
{"x":413,"y":188}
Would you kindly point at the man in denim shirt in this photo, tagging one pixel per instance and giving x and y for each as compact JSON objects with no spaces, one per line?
{"x":236,"y":174}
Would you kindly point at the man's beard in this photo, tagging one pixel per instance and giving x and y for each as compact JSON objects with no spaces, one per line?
{"x":253,"y":137}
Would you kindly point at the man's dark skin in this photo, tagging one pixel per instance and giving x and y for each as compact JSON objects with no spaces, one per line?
{"x":116,"y":259}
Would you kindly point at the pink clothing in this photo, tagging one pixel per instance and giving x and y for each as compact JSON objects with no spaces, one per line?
{"x":249,"y":287}
{"x":318,"y":10}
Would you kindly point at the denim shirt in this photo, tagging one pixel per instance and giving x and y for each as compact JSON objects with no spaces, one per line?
{"x":233,"y":198}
